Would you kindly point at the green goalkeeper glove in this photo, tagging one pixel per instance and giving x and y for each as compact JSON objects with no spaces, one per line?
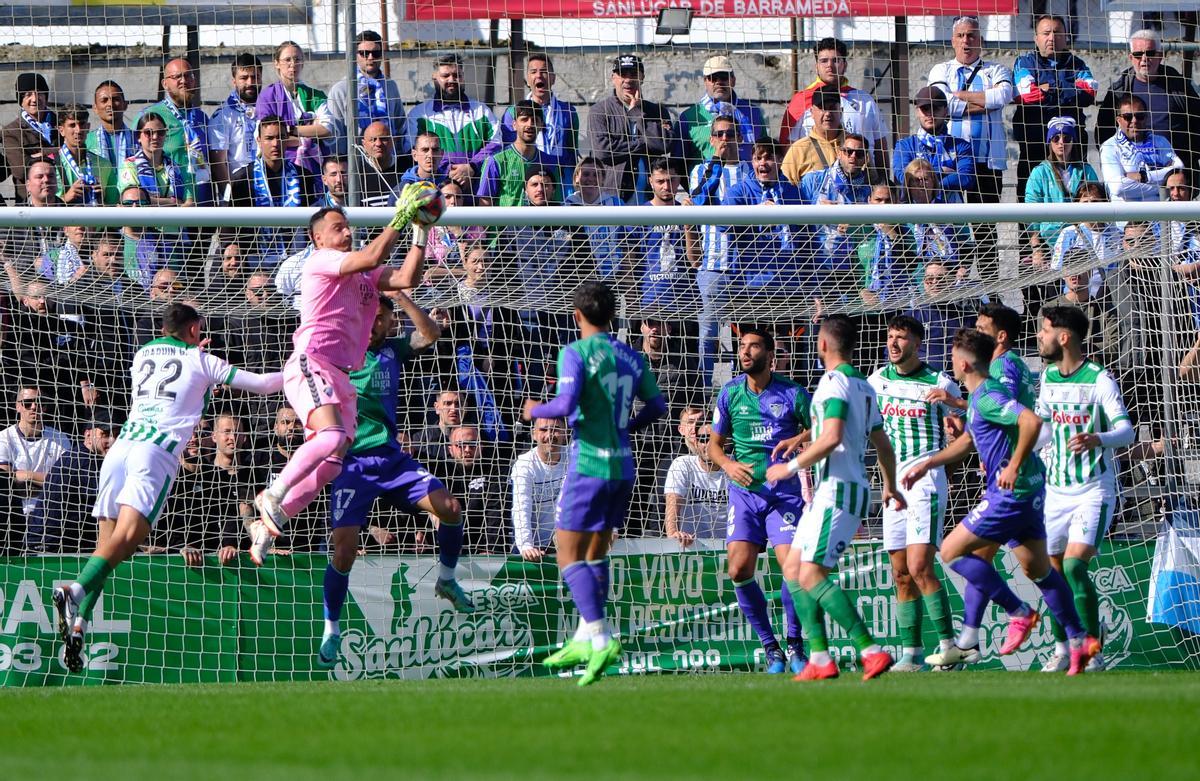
{"x":406,"y":206}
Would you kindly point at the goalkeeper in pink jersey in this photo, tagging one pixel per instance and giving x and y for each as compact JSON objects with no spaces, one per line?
{"x":339,"y":297}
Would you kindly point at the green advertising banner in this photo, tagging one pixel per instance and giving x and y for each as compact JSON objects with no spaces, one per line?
{"x":160,"y":621}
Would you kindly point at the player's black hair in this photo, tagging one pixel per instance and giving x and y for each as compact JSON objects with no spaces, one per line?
{"x":534,"y":56}
{"x":1005,"y":318}
{"x":597,"y":303}
{"x":1129,"y":99}
{"x":1051,"y":17}
{"x":765,"y":146}
{"x":661,"y":165}
{"x":527,"y":108}
{"x":271,"y":120}
{"x":762,"y":333}
{"x":386,"y":302}
{"x":244,"y":61}
{"x":178,"y":317}
{"x":146,"y":119}
{"x":907,"y":323}
{"x":830,"y":44}
{"x":1071,"y":318}
{"x":319,"y":217}
{"x":109,"y":83}
{"x":978,"y":344}
{"x":368,"y":35}
{"x":843,"y":332}
{"x":80,"y":114}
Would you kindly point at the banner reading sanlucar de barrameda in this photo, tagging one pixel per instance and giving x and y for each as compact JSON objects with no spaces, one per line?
{"x":437,"y":10}
{"x":161,"y":621}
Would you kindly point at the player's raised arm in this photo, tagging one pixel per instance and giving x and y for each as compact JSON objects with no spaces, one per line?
{"x":376,"y":253}
{"x":570,"y":384}
{"x":427,"y":329}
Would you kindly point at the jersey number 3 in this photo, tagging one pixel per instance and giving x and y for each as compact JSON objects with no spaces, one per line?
{"x":147,"y":371}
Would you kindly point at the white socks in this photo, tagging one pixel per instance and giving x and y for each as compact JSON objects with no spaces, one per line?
{"x":968,"y":637}
{"x":445,"y":573}
{"x":600,"y":634}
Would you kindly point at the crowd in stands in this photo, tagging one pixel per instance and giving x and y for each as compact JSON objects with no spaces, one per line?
{"x":80,"y":301}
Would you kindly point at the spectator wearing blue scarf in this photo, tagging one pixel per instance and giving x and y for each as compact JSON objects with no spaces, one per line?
{"x":378,"y":97}
{"x":951,"y":157}
{"x":768,"y":256}
{"x":273,"y":180}
{"x":33,"y":135}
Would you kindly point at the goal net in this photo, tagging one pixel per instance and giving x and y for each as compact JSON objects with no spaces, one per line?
{"x":78,"y":301}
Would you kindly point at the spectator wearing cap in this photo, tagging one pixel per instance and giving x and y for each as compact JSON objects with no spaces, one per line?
{"x":860,"y":112}
{"x":719,"y":99}
{"x":502,"y":178}
{"x":378,"y":99}
{"x":1170,"y":99}
{"x":977,"y":91}
{"x":558,"y":136}
{"x":112,"y":141}
{"x":62,"y":522}
{"x":950,"y":157}
{"x":1136,"y":161}
{"x":1056,"y":180}
{"x":187,"y":141}
{"x":33,"y":135}
{"x":627,"y":132}
{"x":1051,"y":82}
{"x":231,"y":130}
{"x":464,"y":125}
{"x":818,"y":150}
{"x":80,"y":172}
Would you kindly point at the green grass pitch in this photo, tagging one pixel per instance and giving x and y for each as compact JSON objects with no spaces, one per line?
{"x":1120,"y":725}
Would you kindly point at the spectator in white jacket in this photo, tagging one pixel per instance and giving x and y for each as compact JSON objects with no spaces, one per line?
{"x":1136,"y":162}
{"x":536,"y":479}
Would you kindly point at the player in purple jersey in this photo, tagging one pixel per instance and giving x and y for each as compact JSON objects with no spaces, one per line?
{"x":755,"y":412}
{"x":1004,"y":432}
{"x":598,"y":378}
{"x":1003,"y":324}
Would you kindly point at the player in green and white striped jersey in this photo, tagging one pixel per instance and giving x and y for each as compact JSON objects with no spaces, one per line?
{"x":1087,"y":420}
{"x":916,"y":427}
{"x":172,"y":380}
{"x":845,"y":417}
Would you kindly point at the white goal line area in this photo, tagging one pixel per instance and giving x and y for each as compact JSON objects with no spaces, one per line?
{"x":526,"y":216}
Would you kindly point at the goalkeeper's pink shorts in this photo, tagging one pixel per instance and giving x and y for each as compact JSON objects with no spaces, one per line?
{"x":310,"y":382}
